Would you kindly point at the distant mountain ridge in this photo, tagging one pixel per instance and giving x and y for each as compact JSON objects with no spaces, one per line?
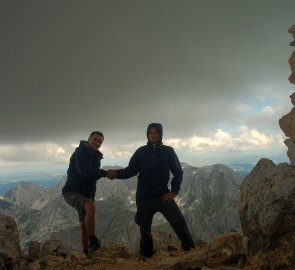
{"x":209,"y":200}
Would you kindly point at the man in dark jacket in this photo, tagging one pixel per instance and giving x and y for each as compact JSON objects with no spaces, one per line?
{"x":153,"y":163}
{"x":80,"y":187}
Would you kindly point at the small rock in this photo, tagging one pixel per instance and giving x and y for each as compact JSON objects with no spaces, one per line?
{"x":287,"y":124}
{"x":34,"y":251}
{"x":293,"y":95}
{"x":51,"y":262}
{"x":292,"y":30}
{"x":291,"y":150}
{"x":77,"y":258}
{"x":192,"y":260}
{"x":227,"y":248}
{"x":54,"y":247}
{"x":10,"y":251}
{"x":292,"y":78}
{"x":292,"y":61}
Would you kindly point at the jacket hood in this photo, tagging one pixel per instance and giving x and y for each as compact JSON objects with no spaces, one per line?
{"x":158,"y":127}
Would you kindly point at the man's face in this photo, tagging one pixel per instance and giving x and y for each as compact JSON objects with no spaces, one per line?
{"x":95,"y":141}
{"x":153,"y":135}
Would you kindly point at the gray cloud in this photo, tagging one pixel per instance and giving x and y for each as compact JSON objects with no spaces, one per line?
{"x":68,"y":67}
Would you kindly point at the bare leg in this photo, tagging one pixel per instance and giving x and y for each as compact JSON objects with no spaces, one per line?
{"x":84,"y":235}
{"x":89,"y":208}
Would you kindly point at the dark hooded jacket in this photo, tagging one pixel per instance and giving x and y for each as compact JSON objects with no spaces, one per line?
{"x":84,"y":170}
{"x":153,"y":163}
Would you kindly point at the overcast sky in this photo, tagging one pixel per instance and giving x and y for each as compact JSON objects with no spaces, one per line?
{"x":214,"y":73}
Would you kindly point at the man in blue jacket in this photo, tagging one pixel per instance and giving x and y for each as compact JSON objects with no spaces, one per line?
{"x":80,"y":187}
{"x":153,"y":163}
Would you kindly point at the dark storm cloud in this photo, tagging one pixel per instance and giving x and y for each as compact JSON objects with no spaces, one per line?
{"x":73,"y":66}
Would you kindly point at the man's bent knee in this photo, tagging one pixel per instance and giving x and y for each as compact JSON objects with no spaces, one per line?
{"x":89,"y":206}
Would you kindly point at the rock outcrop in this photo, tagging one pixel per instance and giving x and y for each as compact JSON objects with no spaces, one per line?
{"x":267,"y":203}
{"x":291,"y":150}
{"x":292,"y":31}
{"x":10,"y":251}
{"x":287,"y":122}
{"x":267,"y":213}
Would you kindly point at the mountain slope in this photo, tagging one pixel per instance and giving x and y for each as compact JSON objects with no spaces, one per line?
{"x":208,"y":198}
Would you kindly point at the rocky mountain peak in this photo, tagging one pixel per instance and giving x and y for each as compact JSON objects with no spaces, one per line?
{"x":287,"y":122}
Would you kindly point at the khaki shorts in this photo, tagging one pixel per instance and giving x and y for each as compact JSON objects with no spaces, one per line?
{"x":77,"y":201}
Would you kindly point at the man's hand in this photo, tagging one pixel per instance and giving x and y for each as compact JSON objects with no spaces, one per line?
{"x":168,"y":197}
{"x":111,"y":174}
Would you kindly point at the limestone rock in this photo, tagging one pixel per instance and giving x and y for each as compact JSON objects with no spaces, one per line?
{"x":34,"y":251}
{"x":116,"y":250}
{"x":292,"y":30}
{"x":287,"y":124}
{"x":77,"y":258}
{"x":51,"y":262}
{"x":10,"y":251}
{"x":292,"y":61}
{"x":291,"y":150}
{"x":292,"y":78}
{"x":33,"y":266}
{"x":293,"y":98}
{"x":55,"y":248}
{"x":228,"y":248}
{"x":192,"y":260}
{"x":267,"y":208}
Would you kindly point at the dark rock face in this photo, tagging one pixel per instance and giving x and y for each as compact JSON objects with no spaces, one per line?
{"x":10,"y":251}
{"x":267,"y":212}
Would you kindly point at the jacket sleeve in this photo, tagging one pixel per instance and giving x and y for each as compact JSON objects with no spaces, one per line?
{"x":132,"y":169}
{"x":176,"y":170}
{"x":85,"y":168}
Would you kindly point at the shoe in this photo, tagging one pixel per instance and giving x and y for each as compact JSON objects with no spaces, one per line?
{"x":146,"y":251}
{"x":147,"y":254}
{"x":188,"y":247}
{"x":94,"y":244}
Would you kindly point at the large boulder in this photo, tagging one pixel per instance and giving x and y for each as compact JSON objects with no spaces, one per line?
{"x":10,"y":251}
{"x":292,"y":30}
{"x":292,"y":62}
{"x":227,"y":249}
{"x":291,"y":150}
{"x":293,"y":95}
{"x":287,"y":124}
{"x":267,"y":213}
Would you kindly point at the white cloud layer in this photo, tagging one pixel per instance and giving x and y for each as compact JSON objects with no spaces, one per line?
{"x":245,"y":141}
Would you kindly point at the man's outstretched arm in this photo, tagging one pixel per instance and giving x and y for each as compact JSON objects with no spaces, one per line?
{"x":131,"y":170}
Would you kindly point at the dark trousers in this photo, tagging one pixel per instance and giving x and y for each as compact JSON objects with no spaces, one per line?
{"x":145,"y":211}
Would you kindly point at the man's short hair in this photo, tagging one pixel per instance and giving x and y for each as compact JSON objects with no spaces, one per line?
{"x":95,"y":133}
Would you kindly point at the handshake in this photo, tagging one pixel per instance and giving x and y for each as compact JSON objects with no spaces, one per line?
{"x":111,"y":174}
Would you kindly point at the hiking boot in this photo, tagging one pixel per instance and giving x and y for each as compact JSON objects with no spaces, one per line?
{"x":186,"y":247}
{"x":94,"y":244}
{"x":146,"y":250}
